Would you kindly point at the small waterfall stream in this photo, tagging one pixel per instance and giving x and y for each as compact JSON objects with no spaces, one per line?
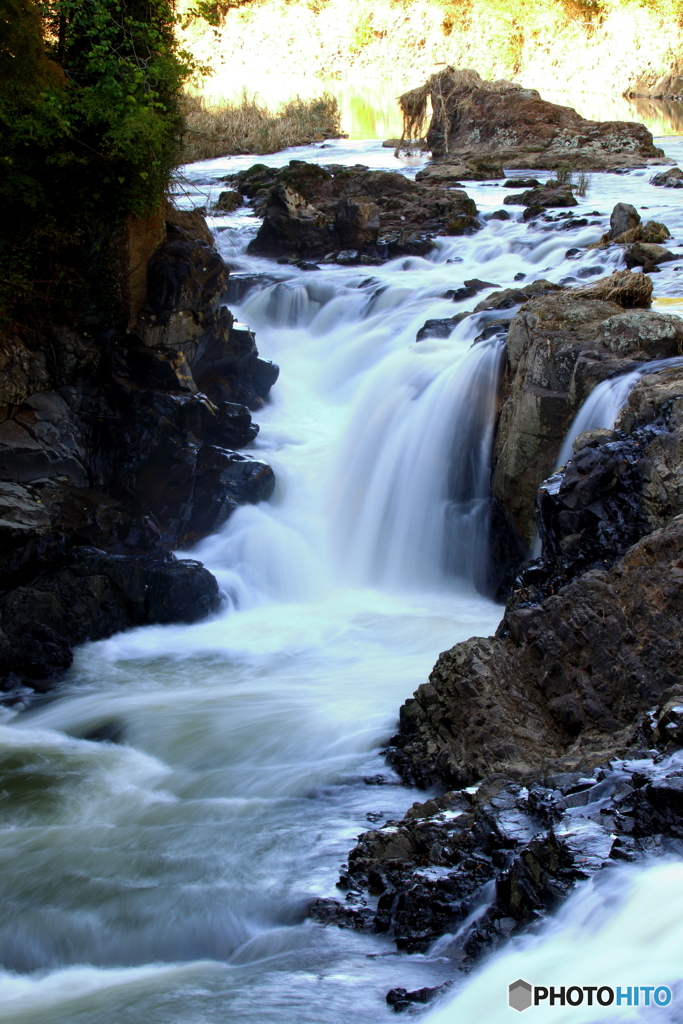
{"x":606,"y":401}
{"x":164,"y":878}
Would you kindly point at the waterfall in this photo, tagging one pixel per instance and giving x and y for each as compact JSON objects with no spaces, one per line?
{"x":411,"y":507}
{"x":171,"y":811}
{"x":637,"y":911}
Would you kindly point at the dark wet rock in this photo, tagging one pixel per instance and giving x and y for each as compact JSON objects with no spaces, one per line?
{"x":440,"y":328}
{"x":178,"y":591}
{"x":511,"y":125}
{"x":507,"y":298}
{"x":499,"y":215}
{"x":92,"y":595}
{"x":543,"y":198}
{"x":671,"y":178}
{"x":647,"y":255}
{"x":624,"y":217}
{"x":228,"y":201}
{"x":522,"y":183}
{"x":480,"y":866}
{"x":313,"y":211}
{"x":400,"y":999}
{"x":469,"y":289}
{"x":116,"y":448}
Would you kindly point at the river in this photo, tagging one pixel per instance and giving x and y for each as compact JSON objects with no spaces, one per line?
{"x":170,"y":812}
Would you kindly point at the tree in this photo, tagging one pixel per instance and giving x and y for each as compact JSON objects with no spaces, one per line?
{"x":89,"y":131}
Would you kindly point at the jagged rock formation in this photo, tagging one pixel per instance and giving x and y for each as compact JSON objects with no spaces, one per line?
{"x":115,"y":449}
{"x":560,"y":346}
{"x":483,"y":865}
{"x":349,"y":214}
{"x":569,"y":674}
{"x":512,"y":126}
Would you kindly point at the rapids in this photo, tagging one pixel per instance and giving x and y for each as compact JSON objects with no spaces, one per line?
{"x":169,"y":813}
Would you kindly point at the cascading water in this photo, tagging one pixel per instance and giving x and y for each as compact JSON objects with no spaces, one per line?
{"x":411,"y":505}
{"x":606,"y":401}
{"x":163,"y":876}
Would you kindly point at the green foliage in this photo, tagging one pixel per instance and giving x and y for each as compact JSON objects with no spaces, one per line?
{"x":566,"y":176}
{"x":214,"y":11}
{"x":93,"y":142}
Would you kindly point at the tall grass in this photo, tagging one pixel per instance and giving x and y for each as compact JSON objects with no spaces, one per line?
{"x":248,"y":127}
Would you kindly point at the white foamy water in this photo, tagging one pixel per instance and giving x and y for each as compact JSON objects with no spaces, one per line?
{"x":165,"y":877}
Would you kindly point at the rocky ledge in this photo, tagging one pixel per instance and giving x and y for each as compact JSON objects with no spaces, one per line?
{"x":349,"y":214}
{"x":118,"y":447}
{"x":511,"y":126}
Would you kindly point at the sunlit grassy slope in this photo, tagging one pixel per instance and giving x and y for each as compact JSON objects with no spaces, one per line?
{"x":610,"y":46}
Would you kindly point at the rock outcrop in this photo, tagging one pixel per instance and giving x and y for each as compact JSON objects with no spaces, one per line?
{"x":512,"y":126}
{"x":481,"y":866}
{"x":589,"y":638}
{"x":350,"y":214}
{"x":560,"y":346}
{"x":117,"y":448}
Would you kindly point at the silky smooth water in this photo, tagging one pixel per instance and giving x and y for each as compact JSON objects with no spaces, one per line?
{"x":164,"y":876}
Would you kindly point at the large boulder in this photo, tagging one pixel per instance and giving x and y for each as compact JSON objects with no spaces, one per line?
{"x":512,"y":126}
{"x":90,"y":596}
{"x":563,"y":685}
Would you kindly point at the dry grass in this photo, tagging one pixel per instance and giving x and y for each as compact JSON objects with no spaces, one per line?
{"x":632,"y":291}
{"x":247,"y":127}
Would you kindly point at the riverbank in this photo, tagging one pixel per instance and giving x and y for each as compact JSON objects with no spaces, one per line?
{"x":619,"y":46}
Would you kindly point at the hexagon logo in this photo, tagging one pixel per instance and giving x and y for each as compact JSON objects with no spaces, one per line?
{"x":519,"y":995}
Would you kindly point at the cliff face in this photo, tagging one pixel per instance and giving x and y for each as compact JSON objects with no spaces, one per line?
{"x":569,"y":45}
{"x":118,"y":447}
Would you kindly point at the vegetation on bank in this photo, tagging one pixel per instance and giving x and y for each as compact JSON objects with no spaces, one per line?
{"x":90,"y":123}
{"x":584,"y":45}
{"x":248,"y":127}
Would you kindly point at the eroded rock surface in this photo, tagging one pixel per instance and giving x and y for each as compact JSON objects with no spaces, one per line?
{"x":514,"y":127}
{"x":481,"y":866}
{"x":560,"y":346}
{"x":117,"y":448}
{"x":350,"y":213}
